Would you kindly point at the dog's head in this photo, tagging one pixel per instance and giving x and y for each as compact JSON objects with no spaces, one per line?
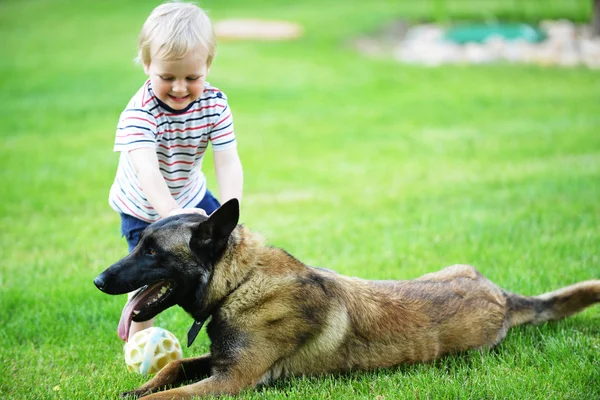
{"x":172,"y":264}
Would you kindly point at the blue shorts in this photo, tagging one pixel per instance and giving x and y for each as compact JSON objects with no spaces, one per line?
{"x":132,"y":227}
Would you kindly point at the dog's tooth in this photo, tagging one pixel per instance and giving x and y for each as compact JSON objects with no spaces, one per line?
{"x":136,"y":312}
{"x":163,"y":290}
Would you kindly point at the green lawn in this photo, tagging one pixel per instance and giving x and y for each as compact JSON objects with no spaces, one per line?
{"x":365,"y":166}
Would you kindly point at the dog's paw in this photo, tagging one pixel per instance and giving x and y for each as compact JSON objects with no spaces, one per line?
{"x":135,"y":394}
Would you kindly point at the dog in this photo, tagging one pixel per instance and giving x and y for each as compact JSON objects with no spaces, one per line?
{"x":272,"y":316}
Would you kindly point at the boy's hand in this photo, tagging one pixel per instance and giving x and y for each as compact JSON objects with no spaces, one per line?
{"x":187,"y":211}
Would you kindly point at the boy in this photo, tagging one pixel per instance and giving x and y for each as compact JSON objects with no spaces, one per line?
{"x":164,"y":131}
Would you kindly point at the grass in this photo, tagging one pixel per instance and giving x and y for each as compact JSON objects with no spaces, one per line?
{"x":365,"y":166}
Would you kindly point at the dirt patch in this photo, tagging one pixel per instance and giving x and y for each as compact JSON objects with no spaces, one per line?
{"x":257,"y":29}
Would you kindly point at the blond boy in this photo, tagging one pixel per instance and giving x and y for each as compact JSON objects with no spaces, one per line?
{"x":164,"y":131}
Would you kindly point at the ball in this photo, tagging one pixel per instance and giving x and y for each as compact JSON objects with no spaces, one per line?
{"x":148,"y":351}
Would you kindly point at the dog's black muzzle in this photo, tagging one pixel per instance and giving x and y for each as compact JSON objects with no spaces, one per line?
{"x":100,"y":282}
{"x":105,"y":283}
{"x":117,"y":279}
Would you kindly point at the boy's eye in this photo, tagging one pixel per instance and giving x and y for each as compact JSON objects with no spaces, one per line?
{"x":193,"y":78}
{"x":166,"y":78}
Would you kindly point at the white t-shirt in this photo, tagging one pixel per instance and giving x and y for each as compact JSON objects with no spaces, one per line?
{"x":180,"y":138}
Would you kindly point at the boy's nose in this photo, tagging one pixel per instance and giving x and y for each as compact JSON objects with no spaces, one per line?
{"x":179,"y":86}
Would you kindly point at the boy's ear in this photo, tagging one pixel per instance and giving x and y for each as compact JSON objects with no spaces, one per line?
{"x":146,"y":68}
{"x":217,"y":227}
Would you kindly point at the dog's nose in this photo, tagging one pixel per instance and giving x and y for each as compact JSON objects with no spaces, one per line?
{"x":99,"y":282}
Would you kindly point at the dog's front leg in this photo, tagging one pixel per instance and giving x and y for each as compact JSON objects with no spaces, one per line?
{"x":230,"y":376}
{"x":174,"y":373}
{"x":214,"y":385}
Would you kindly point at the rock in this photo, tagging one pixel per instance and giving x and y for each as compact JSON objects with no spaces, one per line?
{"x":566,"y":45}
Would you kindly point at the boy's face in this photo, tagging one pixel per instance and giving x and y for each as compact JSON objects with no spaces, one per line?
{"x":177,"y":83}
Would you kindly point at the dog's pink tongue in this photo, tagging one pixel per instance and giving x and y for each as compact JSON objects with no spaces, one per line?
{"x":125,"y":321}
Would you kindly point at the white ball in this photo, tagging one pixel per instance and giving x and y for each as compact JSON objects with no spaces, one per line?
{"x":148,"y":351}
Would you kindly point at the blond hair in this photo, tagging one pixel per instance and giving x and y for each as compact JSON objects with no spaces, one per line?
{"x":173,"y":29}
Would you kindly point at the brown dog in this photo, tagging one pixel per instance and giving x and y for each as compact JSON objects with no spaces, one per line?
{"x":273,"y":316}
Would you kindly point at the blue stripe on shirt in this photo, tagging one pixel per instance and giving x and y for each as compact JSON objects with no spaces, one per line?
{"x":223,"y":143}
{"x":175,"y":171}
{"x":220,"y":129}
{"x":134,"y":141}
{"x":140,"y":110}
{"x":134,"y":126}
{"x":191,"y":155}
{"x":193,"y":103}
{"x":167,"y":139}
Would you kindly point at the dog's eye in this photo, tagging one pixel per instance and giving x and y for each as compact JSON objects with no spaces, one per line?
{"x":150,"y":252}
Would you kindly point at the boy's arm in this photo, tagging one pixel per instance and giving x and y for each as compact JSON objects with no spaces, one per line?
{"x":230,"y":176}
{"x":153,"y":184}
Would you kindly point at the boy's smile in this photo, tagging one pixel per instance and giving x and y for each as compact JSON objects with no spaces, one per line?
{"x":177,"y":83}
{"x":182,"y":99}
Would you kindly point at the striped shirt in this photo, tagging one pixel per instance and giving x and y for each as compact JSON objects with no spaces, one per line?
{"x":180,"y":138}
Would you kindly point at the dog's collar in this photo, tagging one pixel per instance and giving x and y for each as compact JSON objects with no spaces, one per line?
{"x":193,"y":332}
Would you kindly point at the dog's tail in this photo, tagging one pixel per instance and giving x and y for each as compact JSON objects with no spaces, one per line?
{"x":554,"y":305}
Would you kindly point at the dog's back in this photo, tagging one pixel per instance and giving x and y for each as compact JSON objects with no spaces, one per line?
{"x":340,"y":323}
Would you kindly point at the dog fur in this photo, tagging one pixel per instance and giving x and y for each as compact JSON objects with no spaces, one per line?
{"x":272,"y":316}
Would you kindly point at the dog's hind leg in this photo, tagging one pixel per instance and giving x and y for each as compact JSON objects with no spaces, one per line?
{"x":175,"y":372}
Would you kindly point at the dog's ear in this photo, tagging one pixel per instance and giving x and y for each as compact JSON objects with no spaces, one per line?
{"x":217,"y":227}
{"x":225,"y":219}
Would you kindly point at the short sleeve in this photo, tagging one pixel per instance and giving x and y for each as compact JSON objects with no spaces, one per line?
{"x":221,"y":133}
{"x":136,"y":130}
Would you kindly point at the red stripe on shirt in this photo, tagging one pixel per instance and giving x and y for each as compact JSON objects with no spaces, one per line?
{"x":223,"y":135}
{"x":144,"y":103}
{"x":223,"y":120}
{"x":176,"y":162}
{"x":144,"y":93}
{"x":131,"y":211}
{"x":174,"y":179}
{"x":185,"y":146}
